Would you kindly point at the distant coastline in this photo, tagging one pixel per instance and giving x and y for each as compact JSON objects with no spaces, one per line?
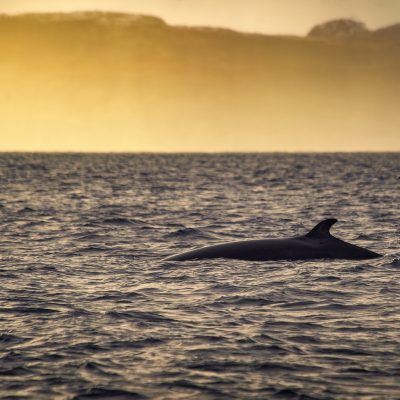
{"x":330,"y":28}
{"x":118,"y":82}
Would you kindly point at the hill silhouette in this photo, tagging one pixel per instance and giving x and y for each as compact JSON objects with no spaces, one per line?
{"x":86,"y":75}
{"x":389,"y":33}
{"x":339,"y":27}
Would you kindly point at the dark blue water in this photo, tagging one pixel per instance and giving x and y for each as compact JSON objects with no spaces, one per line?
{"x":88,"y":310}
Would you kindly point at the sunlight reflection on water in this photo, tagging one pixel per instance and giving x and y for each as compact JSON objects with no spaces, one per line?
{"x":89,"y":311}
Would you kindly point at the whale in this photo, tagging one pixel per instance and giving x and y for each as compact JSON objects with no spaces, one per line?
{"x":318,"y":243}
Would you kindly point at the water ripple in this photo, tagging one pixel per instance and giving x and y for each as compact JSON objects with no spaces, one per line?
{"x":88,"y":310}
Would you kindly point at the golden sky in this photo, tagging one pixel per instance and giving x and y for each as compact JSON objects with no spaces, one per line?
{"x":267,"y":16}
{"x":174,"y":89}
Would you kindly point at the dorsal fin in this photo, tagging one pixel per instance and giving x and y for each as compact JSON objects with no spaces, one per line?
{"x":322,"y":229}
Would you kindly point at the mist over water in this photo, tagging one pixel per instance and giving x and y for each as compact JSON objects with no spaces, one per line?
{"x":89,"y":311}
{"x":165,"y":88}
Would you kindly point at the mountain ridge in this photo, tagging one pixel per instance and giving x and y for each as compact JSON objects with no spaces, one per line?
{"x":341,"y":27}
{"x":168,"y":86}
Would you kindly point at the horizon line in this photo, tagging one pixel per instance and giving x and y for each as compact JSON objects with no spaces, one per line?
{"x":202,"y":152}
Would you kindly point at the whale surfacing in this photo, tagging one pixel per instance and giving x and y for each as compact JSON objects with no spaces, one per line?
{"x":317,"y":244}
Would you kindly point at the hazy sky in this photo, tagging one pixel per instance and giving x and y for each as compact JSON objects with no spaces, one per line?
{"x":112,"y":93}
{"x":268,"y":16}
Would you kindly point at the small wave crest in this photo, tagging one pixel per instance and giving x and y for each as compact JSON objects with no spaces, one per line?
{"x":140,"y":316}
{"x":189,"y":233}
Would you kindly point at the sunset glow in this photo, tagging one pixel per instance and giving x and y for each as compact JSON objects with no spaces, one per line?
{"x":108,"y":82}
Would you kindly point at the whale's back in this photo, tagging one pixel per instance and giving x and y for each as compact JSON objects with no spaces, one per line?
{"x":316,"y":244}
{"x":256,"y":250}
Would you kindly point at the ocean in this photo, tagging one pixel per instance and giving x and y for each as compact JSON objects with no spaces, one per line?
{"x":88,"y":309}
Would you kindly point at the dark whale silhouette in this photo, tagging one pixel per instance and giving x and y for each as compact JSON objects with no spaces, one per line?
{"x":316,"y":244}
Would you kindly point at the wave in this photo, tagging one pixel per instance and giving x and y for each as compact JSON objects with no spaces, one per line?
{"x":189,"y":233}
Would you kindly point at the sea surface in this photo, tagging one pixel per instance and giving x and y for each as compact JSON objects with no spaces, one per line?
{"x":89,"y":311}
